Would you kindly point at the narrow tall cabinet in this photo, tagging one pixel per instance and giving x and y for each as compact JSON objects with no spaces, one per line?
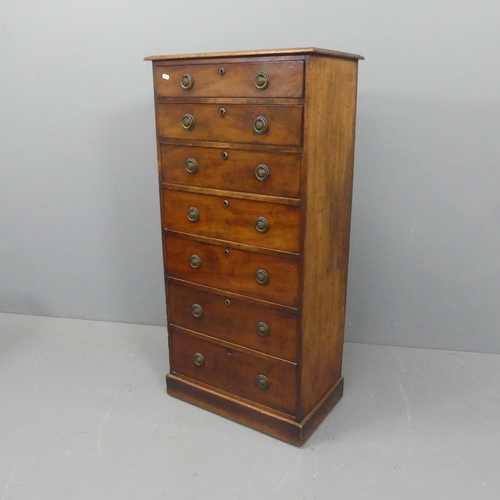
{"x":255,"y":156}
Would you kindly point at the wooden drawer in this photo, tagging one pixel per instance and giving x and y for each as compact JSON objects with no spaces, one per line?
{"x":238,"y":79}
{"x":232,"y":169}
{"x":284,"y":123}
{"x":234,"y":321}
{"x":235,"y":272}
{"x":234,"y":371}
{"x":232,"y":219}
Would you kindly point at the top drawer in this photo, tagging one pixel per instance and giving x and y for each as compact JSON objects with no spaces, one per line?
{"x":251,"y":79}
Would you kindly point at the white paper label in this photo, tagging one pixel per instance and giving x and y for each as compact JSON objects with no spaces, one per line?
{"x":165,"y":76}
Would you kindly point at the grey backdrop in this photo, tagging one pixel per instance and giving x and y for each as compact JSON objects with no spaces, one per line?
{"x":79,"y":213}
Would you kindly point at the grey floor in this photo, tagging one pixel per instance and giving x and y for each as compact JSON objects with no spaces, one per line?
{"x":84,"y":415}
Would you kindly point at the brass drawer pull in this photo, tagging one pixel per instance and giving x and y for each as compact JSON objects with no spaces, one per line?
{"x":193,"y":214}
{"x":224,"y":155}
{"x":187,"y":121}
{"x":195,"y":261}
{"x":222,"y":71}
{"x":191,"y":165}
{"x":262,"y":172}
{"x":199,"y":359}
{"x":197,"y":310}
{"x":262,"y":382}
{"x":261,"y":80}
{"x":262,"y":225}
{"x":263,"y":329}
{"x":262,"y":276}
{"x":222,"y":111}
{"x":187,"y":81}
{"x":260,"y":125}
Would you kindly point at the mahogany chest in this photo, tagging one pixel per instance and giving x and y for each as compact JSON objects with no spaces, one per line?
{"x":255,"y":156}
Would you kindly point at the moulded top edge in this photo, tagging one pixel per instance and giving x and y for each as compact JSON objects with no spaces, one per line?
{"x":248,"y":53}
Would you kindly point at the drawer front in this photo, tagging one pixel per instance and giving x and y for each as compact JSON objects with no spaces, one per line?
{"x":230,"y":80}
{"x":235,"y":272}
{"x":231,"y":123}
{"x":256,"y":327}
{"x":258,"y":223}
{"x":276,"y":174}
{"x":234,"y":371}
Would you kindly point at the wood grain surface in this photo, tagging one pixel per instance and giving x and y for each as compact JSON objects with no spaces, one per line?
{"x":234,"y":320}
{"x":256,"y":53}
{"x":235,"y":272}
{"x":285,"y":123}
{"x":234,"y":371}
{"x":327,"y":191}
{"x":236,"y":171}
{"x":285,"y":79}
{"x":236,"y":221}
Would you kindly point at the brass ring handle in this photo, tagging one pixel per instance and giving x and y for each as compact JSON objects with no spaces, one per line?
{"x":262,"y":172}
{"x":191,"y":165}
{"x":263,"y":329}
{"x":262,"y":382}
{"x":262,"y":225}
{"x":260,"y":125}
{"x":187,"y":81}
{"x":197,"y":310}
{"x":261,"y":80}
{"x":262,"y":276}
{"x":194,"y":261}
{"x":187,"y":121}
{"x":193,"y":214}
{"x":199,"y":359}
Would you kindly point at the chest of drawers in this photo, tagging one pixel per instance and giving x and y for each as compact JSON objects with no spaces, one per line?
{"x":255,"y":156}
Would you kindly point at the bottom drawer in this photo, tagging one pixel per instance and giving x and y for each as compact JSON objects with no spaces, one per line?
{"x":271,"y":383}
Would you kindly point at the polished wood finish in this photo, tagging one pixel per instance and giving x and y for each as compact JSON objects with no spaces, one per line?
{"x":285,"y":123}
{"x":238,"y":79}
{"x":258,"y":417}
{"x":234,"y":321}
{"x":275,"y":53}
{"x":328,"y":173}
{"x":235,"y":173}
{"x":235,"y":272}
{"x":214,"y":301}
{"x":234,"y":371}
{"x":231,"y":218}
